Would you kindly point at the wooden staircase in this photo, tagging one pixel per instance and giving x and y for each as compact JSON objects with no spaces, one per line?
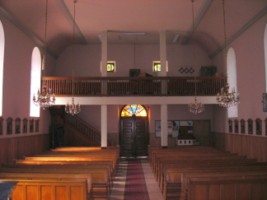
{"x":67,"y":130}
{"x":80,"y":133}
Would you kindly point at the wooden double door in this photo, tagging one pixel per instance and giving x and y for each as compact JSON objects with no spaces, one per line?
{"x":133,"y":136}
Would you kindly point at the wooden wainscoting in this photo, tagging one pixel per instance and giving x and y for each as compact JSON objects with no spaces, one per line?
{"x":18,"y":147}
{"x":245,"y":145}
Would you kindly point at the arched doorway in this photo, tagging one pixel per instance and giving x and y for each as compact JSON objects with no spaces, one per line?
{"x":133,"y":137}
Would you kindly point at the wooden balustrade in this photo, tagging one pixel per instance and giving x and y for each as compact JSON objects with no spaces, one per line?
{"x":141,"y":86}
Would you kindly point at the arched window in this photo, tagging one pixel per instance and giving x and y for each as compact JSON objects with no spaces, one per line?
{"x":2,"y":48}
{"x":265,"y":55}
{"x":134,"y":110}
{"x":36,"y":63}
{"x":231,"y":75}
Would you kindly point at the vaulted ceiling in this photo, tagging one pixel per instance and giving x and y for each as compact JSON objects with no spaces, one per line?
{"x":128,"y":21}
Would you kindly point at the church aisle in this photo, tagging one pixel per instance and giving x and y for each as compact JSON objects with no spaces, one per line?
{"x":119,"y":180}
{"x":134,"y":179}
{"x":151,"y":183}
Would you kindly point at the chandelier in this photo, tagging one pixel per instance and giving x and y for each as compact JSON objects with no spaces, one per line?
{"x":196,"y":106}
{"x":226,"y":98}
{"x":44,"y":98}
{"x":73,"y":108}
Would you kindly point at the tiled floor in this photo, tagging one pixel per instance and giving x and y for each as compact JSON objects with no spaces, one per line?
{"x":118,"y":189}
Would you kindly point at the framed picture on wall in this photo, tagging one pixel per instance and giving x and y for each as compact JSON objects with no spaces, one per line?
{"x":173,"y":128}
{"x":157,"y":128}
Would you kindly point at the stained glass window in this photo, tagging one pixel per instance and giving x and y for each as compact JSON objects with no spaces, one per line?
{"x":133,"y":110}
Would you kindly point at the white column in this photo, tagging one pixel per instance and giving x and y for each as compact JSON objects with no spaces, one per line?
{"x":163,"y":53}
{"x":163,"y":107}
{"x":104,"y":58}
{"x":164,"y":125}
{"x":104,"y":53}
{"x":163,"y":60}
{"x":104,"y":129}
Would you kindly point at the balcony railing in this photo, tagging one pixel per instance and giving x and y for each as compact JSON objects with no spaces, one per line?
{"x":141,"y":86}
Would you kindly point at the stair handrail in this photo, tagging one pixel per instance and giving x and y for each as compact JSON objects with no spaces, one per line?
{"x":85,"y":128}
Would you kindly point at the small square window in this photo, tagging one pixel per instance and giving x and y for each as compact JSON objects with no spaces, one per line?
{"x":157,"y":66}
{"x":111,"y":66}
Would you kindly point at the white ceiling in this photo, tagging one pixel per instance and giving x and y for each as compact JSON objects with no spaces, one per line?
{"x":121,"y":18}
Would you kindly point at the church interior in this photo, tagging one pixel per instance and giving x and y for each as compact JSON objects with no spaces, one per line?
{"x":133,"y":99}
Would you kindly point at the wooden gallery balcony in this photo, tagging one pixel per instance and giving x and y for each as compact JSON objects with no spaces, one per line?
{"x":140,"y":86}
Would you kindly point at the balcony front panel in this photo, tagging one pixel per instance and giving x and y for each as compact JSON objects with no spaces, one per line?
{"x":142,"y":86}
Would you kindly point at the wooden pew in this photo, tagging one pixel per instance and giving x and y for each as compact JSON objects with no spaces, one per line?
{"x":101,"y":179}
{"x":200,"y":162}
{"x":98,"y":164}
{"x":155,"y":154}
{"x":48,"y":188}
{"x":78,"y":154}
{"x":167,"y":162}
{"x":170,"y":165}
{"x":173,"y":184}
{"x":225,"y":186}
{"x":100,"y":176}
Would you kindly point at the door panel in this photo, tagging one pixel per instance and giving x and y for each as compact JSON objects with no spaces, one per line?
{"x":133,"y":137}
{"x":127,"y":138}
{"x":141,"y":139}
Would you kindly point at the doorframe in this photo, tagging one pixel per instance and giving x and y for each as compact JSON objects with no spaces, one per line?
{"x":134,"y":117}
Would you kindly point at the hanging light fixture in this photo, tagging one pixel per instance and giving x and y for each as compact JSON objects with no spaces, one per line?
{"x":45,"y":98}
{"x":226,"y":98}
{"x":196,"y":106}
{"x":73,"y":108}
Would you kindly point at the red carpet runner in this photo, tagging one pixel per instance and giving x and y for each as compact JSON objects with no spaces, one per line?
{"x":135,"y":188}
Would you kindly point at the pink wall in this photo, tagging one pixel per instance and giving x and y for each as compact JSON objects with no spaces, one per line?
{"x":250,"y":70}
{"x":17,"y":72}
{"x":82,"y":60}
{"x":86,"y":59}
{"x":17,"y":64}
